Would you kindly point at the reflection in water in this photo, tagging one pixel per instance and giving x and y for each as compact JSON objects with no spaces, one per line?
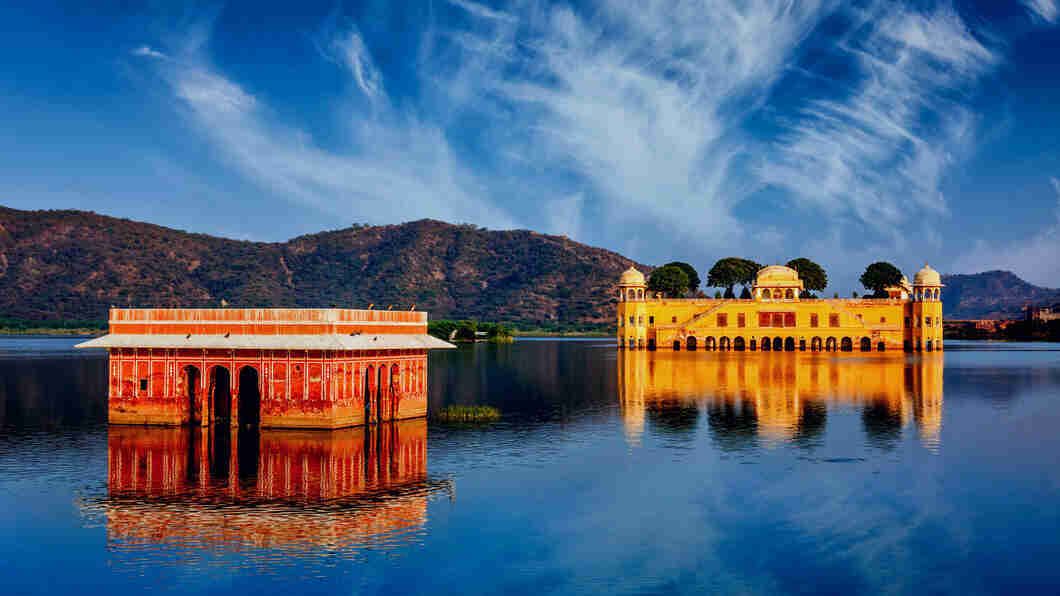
{"x":221,"y":489}
{"x":773,"y":398}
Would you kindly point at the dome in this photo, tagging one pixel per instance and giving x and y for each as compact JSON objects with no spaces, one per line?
{"x":778,"y":273}
{"x":927,"y":277}
{"x":631,"y":277}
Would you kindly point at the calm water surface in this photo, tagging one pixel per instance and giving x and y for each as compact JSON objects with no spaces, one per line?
{"x":609,"y":473}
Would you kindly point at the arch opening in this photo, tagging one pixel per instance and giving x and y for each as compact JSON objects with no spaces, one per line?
{"x":190,"y":377}
{"x":789,"y":344}
{"x":789,"y":295}
{"x":249,"y":397}
{"x":830,"y":344}
{"x":369,"y":377}
{"x":880,"y":347}
{"x":847,"y":345}
{"x":927,"y":346}
{"x":816,"y":344}
{"x":766,"y":345}
{"x":725,"y":344}
{"x":866,"y":344}
{"x":739,"y":344}
{"x":778,"y":344}
{"x":677,"y":345}
{"x":221,"y":393}
{"x":710,"y":344}
{"x":690,"y":343}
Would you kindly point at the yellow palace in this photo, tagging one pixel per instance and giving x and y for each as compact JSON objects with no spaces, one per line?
{"x":776,"y":319}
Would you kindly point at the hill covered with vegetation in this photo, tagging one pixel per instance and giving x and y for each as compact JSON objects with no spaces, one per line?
{"x":76,"y":264}
{"x":992,"y":295}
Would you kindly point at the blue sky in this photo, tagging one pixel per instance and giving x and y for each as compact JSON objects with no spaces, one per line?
{"x":846,"y":132}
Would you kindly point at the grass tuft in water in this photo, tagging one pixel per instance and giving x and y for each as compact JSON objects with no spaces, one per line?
{"x":468,"y":414}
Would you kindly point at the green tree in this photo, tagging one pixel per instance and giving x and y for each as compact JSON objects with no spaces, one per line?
{"x":693,"y":277}
{"x":730,"y":271}
{"x":671,"y":281}
{"x":878,"y":276}
{"x":812,"y":275}
{"x":465,"y":330}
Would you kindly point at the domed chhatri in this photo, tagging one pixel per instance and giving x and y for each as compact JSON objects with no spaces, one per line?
{"x":777,"y":273}
{"x":927,"y":277}
{"x":631,"y":277}
{"x":780,"y":316}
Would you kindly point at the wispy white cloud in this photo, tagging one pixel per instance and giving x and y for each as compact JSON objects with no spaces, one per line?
{"x":1046,"y":10}
{"x":881,"y":150}
{"x":402,"y":168}
{"x":148,"y":51}
{"x":481,"y":11}
{"x":654,"y":116}
{"x":1034,"y":258}
{"x":352,"y":53}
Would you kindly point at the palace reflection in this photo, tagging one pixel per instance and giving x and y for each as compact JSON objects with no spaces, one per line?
{"x":771,"y":398}
{"x":218,"y":488}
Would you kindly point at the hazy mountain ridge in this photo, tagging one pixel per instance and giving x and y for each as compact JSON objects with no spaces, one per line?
{"x":992,"y":295}
{"x":75,"y":264}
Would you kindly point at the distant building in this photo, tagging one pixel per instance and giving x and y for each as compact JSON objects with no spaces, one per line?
{"x":1043,"y":313}
{"x":273,"y":367}
{"x":775,"y":318}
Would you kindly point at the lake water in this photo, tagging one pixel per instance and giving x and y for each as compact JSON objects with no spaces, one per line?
{"x":688,"y":472}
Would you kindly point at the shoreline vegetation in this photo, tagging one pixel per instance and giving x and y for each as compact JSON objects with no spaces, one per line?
{"x":454,"y":413}
{"x":10,"y":326}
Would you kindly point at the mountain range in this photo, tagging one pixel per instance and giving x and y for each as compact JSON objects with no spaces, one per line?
{"x":76,"y":264}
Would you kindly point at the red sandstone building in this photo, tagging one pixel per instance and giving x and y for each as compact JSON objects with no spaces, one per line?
{"x":279,"y":368}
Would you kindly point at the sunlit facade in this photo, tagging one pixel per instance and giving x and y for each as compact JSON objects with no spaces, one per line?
{"x":777,"y":319}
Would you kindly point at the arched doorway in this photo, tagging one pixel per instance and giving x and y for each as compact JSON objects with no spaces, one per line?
{"x":691,"y":343}
{"x":394,"y":395}
{"x":766,"y":345}
{"x":249,"y":397}
{"x":778,"y":344}
{"x":847,"y":345}
{"x":190,"y":378}
{"x":738,"y":344}
{"x":789,"y":344}
{"x":802,"y":344}
{"x":754,"y":345}
{"x":369,"y":385}
{"x":380,"y":384}
{"x":816,"y":344}
{"x":710,"y":344}
{"x":866,"y":344}
{"x":677,"y":345}
{"x":725,"y":344}
{"x":651,"y":344}
{"x":220,"y":394}
{"x":927,"y":346}
{"x":881,"y":347}
{"x":830,"y":344}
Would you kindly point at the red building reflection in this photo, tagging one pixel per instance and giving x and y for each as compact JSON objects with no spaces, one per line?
{"x":219,"y":488}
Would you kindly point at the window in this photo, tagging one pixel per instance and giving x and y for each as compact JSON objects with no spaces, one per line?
{"x":764,"y":319}
{"x":630,"y":319}
{"x":673,"y":319}
{"x":777,"y":294}
{"x":929,"y":321}
{"x":741,"y":320}
{"x":651,"y":321}
{"x":789,"y":294}
{"x":789,"y":319}
{"x":813,"y":319}
{"x":143,"y":384}
{"x":833,"y":320}
{"x":640,"y":321}
{"x":778,"y":319}
{"x":723,"y":320}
